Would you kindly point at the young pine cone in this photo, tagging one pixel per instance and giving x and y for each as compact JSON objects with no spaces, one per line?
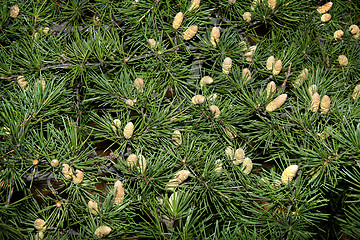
{"x":324,"y":8}
{"x":226,"y":65}
{"x":215,"y":36}
{"x":190,"y":32}
{"x":356,"y":93}
{"x":270,"y":63}
{"x":141,"y":164}
{"x":22,"y":81}
{"x":131,"y":160}
{"x":195,"y":4}
{"x":277,"y":67}
{"x":302,"y":77}
{"x":66,"y":171}
{"x":179,"y":178}
{"x":247,"y":16}
{"x":355,"y":31}
{"x":249,"y":54}
{"x":215,"y":110}
{"x":270,"y":89}
{"x":326,"y":17}
{"x":315,"y":102}
{"x":343,"y":61}
{"x":14,"y":12}
{"x":289,"y":173}
{"x":118,"y":192}
{"x":247,"y":166}
{"x":178,"y":20}
{"x":229,"y":152}
{"x":78,"y":177}
{"x":54,"y":163}
{"x":312,"y":89}
{"x":325,"y":104}
{"x":206,"y":80}
{"x":239,"y":156}
{"x":139,"y":84}
{"x":39,"y":224}
{"x":218,"y":165}
{"x":102,"y":231}
{"x":338,"y":34}
{"x":246,"y":74}
{"x":276,"y":103}
{"x":272,"y":4}
{"x":176,"y":138}
{"x":93,"y":207}
{"x":129,"y":130}
{"x":198,"y":99}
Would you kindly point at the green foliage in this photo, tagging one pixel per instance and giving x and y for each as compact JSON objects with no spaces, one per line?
{"x":68,"y":71}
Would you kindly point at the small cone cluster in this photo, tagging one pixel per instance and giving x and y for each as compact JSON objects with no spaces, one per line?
{"x":178,"y":20}
{"x":302,"y":77}
{"x":226,"y":65}
{"x":190,"y":32}
{"x":119,"y":192}
{"x":247,"y":166}
{"x":195,"y":4}
{"x":67,"y":171}
{"x":198,"y":99}
{"x":270,"y":63}
{"x":274,"y":66}
{"x":356,"y":93}
{"x":276,"y":103}
{"x":206,"y":80}
{"x":139,"y":84}
{"x":289,"y":173}
{"x":325,"y":104}
{"x":246,"y":74}
{"x":343,"y":61}
{"x":14,"y":11}
{"x":355,"y":31}
{"x":179,"y":178}
{"x":247,"y":16}
{"x":325,"y":8}
{"x":78,"y":176}
{"x":128,"y":130}
{"x":326,"y":17}
{"x":176,"y":138}
{"x":102,"y":231}
{"x":270,"y":89}
{"x":215,"y":36}
{"x":93,"y":207}
{"x":39,"y":224}
{"x":137,"y":161}
{"x":315,"y":102}
{"x":215,"y":111}
{"x":338,"y":34}
{"x":239,"y":156}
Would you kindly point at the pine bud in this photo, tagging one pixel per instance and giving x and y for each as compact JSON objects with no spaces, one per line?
{"x":78,"y":177}
{"x":118,"y":192}
{"x":239,"y":156}
{"x":21,"y":81}
{"x":226,"y":65}
{"x":247,"y":166}
{"x":315,"y":102}
{"x":141,"y":164}
{"x":324,"y":8}
{"x":270,"y":63}
{"x":250,"y":53}
{"x":178,"y":20}
{"x":198,"y":99}
{"x":67,"y":172}
{"x":312,"y":89}
{"x":325,"y":104}
{"x":215,"y":36}
{"x":270,"y":89}
{"x":190,"y":32}
{"x":39,"y":224}
{"x":356,"y":93}
{"x":247,"y":16}
{"x":46,"y":30}
{"x":206,"y":80}
{"x":272,"y":4}
{"x":229,"y":152}
{"x":131,"y":160}
{"x":355,"y":31}
{"x":215,"y":110}
{"x":179,"y":178}
{"x":338,"y":34}
{"x":302,"y":77}
{"x":102,"y":231}
{"x":117,"y":123}
{"x":129,"y":130}
{"x":218,"y":165}
{"x":289,"y":173}
{"x":54,"y":163}
{"x":93,"y":207}
{"x":139,"y":84}
{"x":326,"y":17}
{"x":176,"y":138}
{"x":39,"y":235}
{"x":343,"y":60}
{"x":14,"y":12}
{"x":195,"y":4}
{"x":152,"y":43}
{"x":276,"y":103}
{"x":246,"y":74}
{"x":277,"y":67}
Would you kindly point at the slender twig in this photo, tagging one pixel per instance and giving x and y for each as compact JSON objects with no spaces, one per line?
{"x":11,"y":192}
{"x":12,"y":76}
{"x":287,"y":75}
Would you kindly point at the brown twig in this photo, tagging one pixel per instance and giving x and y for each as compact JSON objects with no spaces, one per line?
{"x":287,"y":75}
{"x":12,"y":76}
